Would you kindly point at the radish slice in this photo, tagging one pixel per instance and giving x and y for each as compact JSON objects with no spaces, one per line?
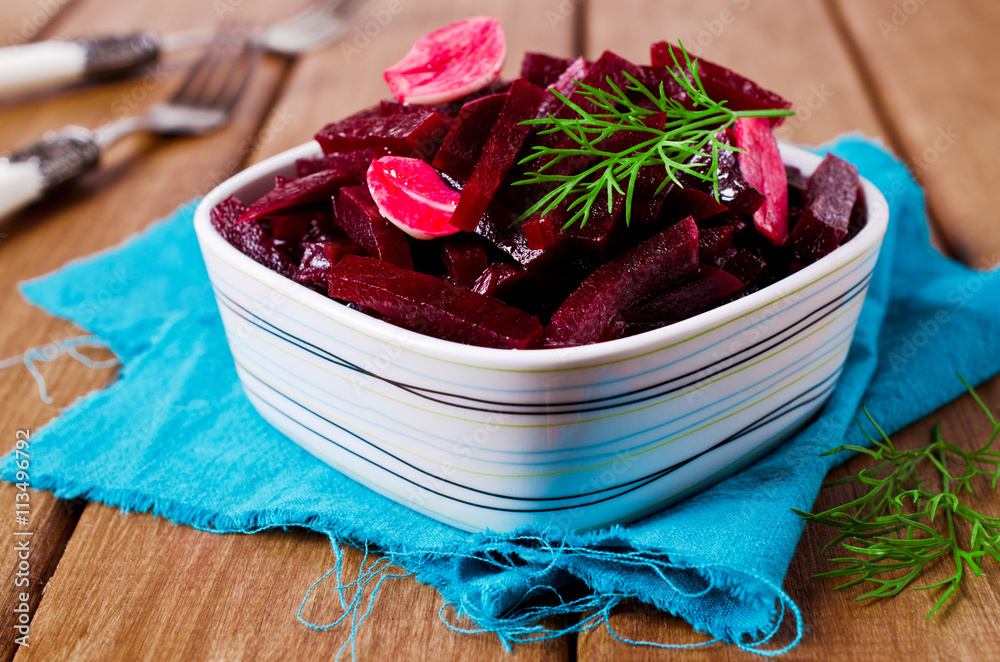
{"x":761,"y":164}
{"x":449,"y":63}
{"x":412,"y":196}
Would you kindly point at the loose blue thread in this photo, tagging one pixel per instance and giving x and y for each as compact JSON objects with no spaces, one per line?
{"x":377,"y":572}
{"x":523,"y":624}
{"x":52,"y":351}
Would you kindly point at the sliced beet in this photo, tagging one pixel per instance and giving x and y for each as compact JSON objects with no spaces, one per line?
{"x":324,"y":229}
{"x":715,"y":245}
{"x":540,"y":232}
{"x":290,"y":226}
{"x":796,"y":186}
{"x":450,"y":109}
{"x":734,"y":190}
{"x":498,"y":226}
{"x":859,"y":215}
{"x":796,"y":194}
{"x":542,"y":69}
{"x":463,"y":258}
{"x":830,"y":196}
{"x":761,"y":165}
{"x":226,"y":219}
{"x":536,"y":294}
{"x":413,"y":196}
{"x":467,"y":136}
{"x":575,"y":71}
{"x":745,"y":265}
{"x":611,"y":68}
{"x":359,"y":216}
{"x":353,"y":164}
{"x":431,"y":306}
{"x":370,"y":111}
{"x":318,"y":258}
{"x":598,"y":238}
{"x":685,"y":299}
{"x":405,"y":134}
{"x":498,"y":277}
{"x":819,"y":231}
{"x":249,"y":238}
{"x":680,"y":202}
{"x":722,"y":84}
{"x":738,"y":222}
{"x":450,"y":63}
{"x":317,"y":187}
{"x":499,"y":154}
{"x":639,"y":273}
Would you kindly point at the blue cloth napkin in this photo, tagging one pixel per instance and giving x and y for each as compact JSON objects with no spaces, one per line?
{"x":175,"y":436}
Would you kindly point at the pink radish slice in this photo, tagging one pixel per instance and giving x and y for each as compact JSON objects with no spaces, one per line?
{"x":761,"y":164}
{"x":449,"y":63}
{"x":412,"y":196}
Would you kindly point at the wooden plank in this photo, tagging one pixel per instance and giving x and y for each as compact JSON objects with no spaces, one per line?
{"x":105,"y":209}
{"x":50,"y":521}
{"x":805,"y":60}
{"x":933,"y":68}
{"x":793,"y":51}
{"x":837,"y":627}
{"x":139,"y":588}
{"x":189,"y":594}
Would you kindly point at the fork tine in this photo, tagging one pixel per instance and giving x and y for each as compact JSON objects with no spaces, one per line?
{"x":199,"y":73}
{"x":236,"y":79}
{"x":316,"y":11}
{"x":317,"y":25}
{"x":218,"y":78}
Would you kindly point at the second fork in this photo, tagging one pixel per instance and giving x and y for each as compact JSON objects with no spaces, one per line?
{"x":204,"y":102}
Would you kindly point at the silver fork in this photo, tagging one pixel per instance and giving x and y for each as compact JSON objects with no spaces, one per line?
{"x":46,"y":64}
{"x":204,"y":102}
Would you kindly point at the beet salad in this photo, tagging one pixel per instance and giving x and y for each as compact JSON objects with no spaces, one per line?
{"x":582,"y":202}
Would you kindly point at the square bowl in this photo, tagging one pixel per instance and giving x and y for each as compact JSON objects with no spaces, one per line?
{"x":575,"y":438}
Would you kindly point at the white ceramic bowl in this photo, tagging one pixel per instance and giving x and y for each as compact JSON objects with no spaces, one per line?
{"x":578,"y":437}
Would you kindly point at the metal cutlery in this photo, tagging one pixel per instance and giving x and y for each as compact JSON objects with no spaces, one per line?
{"x":46,"y":64}
{"x":204,"y":102}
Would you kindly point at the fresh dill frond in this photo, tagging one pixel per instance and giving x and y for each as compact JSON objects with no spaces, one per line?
{"x":902,"y":525}
{"x":690,"y":130}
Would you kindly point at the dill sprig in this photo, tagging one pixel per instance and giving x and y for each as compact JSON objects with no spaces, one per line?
{"x":901,"y":525}
{"x":690,"y":131}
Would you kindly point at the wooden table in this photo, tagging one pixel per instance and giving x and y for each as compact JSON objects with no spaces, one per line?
{"x":921,"y":75}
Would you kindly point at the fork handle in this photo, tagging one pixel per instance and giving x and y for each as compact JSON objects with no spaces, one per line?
{"x":46,"y":64}
{"x":56,"y":159}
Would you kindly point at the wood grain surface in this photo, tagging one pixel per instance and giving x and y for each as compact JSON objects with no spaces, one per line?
{"x":933,"y":71}
{"x":133,"y":587}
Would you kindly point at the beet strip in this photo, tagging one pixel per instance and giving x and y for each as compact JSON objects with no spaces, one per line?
{"x":646,"y":269}
{"x":499,"y":154}
{"x":429,"y":305}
